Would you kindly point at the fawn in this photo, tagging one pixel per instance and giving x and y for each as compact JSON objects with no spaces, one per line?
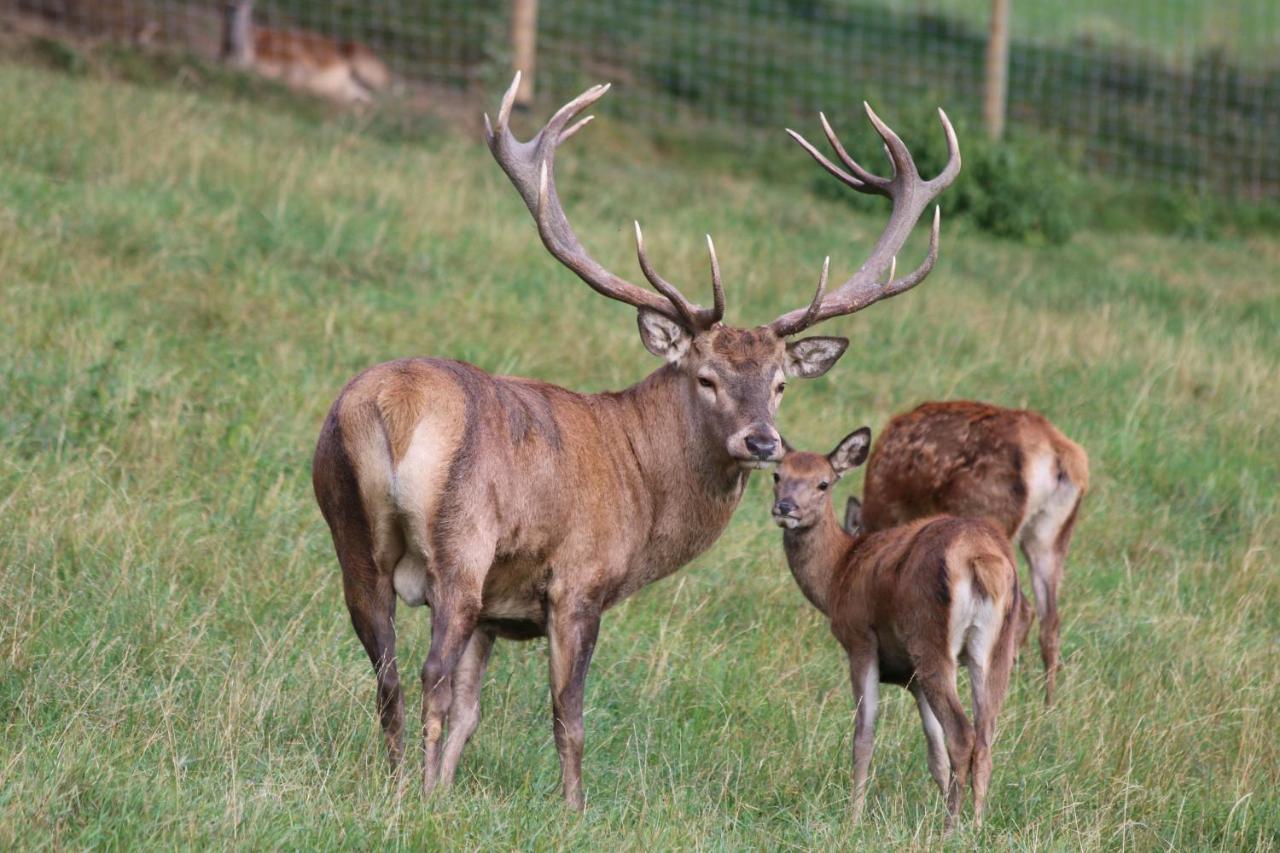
{"x":1011,"y":466}
{"x":908,"y":604}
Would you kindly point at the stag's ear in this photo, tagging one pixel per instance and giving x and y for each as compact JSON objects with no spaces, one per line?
{"x":663,"y":336}
{"x":851,"y":451}
{"x":809,"y":358}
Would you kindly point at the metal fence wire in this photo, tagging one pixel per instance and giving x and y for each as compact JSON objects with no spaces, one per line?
{"x":1177,"y":91}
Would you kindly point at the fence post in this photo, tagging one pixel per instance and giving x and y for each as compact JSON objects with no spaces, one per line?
{"x":524,"y":43}
{"x":997,"y":83}
{"x":237,"y":32}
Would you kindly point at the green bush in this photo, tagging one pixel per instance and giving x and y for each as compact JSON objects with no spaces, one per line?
{"x":1013,"y":190}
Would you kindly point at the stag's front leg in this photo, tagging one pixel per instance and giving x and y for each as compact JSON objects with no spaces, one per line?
{"x":572,"y":630}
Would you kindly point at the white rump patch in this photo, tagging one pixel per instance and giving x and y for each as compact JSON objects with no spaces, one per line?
{"x":972,"y":627}
{"x":416,"y":484}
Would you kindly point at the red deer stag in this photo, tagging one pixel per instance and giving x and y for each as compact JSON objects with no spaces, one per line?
{"x":515,"y":508}
{"x":909,"y":605}
{"x":1009,"y":465}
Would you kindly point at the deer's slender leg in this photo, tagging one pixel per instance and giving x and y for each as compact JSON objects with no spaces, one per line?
{"x":572,"y":630}
{"x":940,"y":689}
{"x":935,"y":740}
{"x":990,"y":683}
{"x":453,"y":620}
{"x":373,"y":608}
{"x":464,"y":713}
{"x":864,"y":671}
{"x":1046,"y":577}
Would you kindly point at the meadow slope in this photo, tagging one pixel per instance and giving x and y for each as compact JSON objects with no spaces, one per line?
{"x":185,"y":284}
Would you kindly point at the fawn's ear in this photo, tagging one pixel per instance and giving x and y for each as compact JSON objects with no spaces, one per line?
{"x":809,"y":358}
{"x":663,"y":336}
{"x":853,"y":515}
{"x":851,"y":451}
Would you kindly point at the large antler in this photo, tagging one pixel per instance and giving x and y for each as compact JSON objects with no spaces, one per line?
{"x":531,"y":167}
{"x":910,"y":195}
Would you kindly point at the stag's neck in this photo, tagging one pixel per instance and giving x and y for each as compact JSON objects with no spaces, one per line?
{"x":815,"y":554}
{"x":670,"y":448}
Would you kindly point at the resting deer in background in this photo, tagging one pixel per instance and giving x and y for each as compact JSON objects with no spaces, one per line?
{"x":345,"y":71}
{"x":909,"y":604}
{"x":1009,"y":465}
{"x":514,"y":508}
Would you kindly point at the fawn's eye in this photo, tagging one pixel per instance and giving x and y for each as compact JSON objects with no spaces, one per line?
{"x":782,"y":386}
{"x":706,"y":383}
{"x":823,"y":486}
{"x":776,"y":478}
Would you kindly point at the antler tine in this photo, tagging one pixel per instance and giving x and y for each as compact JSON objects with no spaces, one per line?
{"x":825,"y":163}
{"x":903,"y":164}
{"x":531,"y":167}
{"x":875,"y":182}
{"x":817,"y":296}
{"x":661,"y":285}
{"x":949,"y":172}
{"x":717,"y":289}
{"x":508,"y":101}
{"x":910,"y":195}
{"x":894,"y":286}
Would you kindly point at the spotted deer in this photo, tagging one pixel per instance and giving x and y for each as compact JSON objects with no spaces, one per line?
{"x":344,"y":71}
{"x":1009,"y":465}
{"x":517,"y":509}
{"x":909,"y":604}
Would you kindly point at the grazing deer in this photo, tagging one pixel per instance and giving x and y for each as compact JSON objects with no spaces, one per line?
{"x":514,"y":508}
{"x":344,"y":71}
{"x":908,"y":604}
{"x":1009,"y":465}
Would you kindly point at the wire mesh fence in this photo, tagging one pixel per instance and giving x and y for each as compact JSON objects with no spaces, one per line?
{"x":1175,"y":91}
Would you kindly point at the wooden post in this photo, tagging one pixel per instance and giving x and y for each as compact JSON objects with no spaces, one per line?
{"x":997,"y":84}
{"x":237,"y":33}
{"x":524,"y":44}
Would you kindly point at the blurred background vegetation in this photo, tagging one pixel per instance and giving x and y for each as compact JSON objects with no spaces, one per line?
{"x":1147,"y":114}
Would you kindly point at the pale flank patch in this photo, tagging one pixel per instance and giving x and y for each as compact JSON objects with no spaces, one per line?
{"x":415,"y":490}
{"x":970,"y":625}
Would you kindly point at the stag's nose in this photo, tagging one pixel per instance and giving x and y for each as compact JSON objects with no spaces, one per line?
{"x":761,"y":446}
{"x":784,"y":507}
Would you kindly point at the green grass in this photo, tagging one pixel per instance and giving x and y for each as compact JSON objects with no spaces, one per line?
{"x":187,"y":280}
{"x":1172,"y":28}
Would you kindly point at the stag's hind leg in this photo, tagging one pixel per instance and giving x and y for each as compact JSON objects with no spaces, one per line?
{"x":373,"y":616}
{"x":464,"y":713}
{"x":453,"y":621}
{"x":364,"y":550}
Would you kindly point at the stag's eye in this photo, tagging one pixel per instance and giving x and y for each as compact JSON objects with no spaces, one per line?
{"x":776,"y":478}
{"x":782,"y":386}
{"x":823,"y":486}
{"x":706,"y":383}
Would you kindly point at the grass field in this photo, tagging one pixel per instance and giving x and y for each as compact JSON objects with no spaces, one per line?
{"x":186,"y":282}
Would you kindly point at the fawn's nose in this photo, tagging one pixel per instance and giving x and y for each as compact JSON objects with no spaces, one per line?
{"x":761,"y":446}
{"x":784,"y":507}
